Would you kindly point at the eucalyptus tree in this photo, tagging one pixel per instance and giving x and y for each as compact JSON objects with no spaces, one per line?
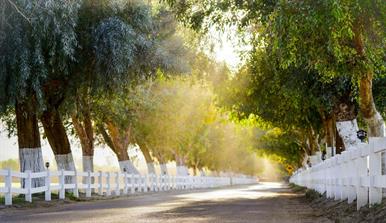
{"x":114,"y":38}
{"x":335,"y":48}
{"x":162,"y":50}
{"x":38,"y":47}
{"x":293,"y":99}
{"x":329,"y":38}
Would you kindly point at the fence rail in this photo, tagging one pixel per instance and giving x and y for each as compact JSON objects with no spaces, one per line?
{"x":106,"y":183}
{"x":353,"y":175}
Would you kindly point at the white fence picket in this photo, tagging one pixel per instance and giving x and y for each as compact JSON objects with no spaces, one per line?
{"x":354,"y":174}
{"x":136,"y":183}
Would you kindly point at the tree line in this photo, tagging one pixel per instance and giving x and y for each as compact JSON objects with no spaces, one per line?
{"x":316,"y":69}
{"x":117,"y":73}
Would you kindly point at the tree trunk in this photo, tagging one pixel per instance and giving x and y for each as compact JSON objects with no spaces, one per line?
{"x":125,"y":163}
{"x":373,"y":119}
{"x":339,"y":143}
{"x":86,"y":136}
{"x":328,"y":125}
{"x":164,"y":169}
{"x":58,"y":140}
{"x":202,"y":172}
{"x":195,"y":171}
{"x":346,"y":122}
{"x":149,"y":160}
{"x":182,"y":170}
{"x":119,"y":142}
{"x":30,"y":152}
{"x":329,"y":130}
{"x":162,"y":162}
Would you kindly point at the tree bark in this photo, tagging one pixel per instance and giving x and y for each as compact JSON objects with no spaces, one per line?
{"x":329,"y":130}
{"x":162,"y":162}
{"x":84,"y":130}
{"x":346,"y":122}
{"x":328,"y":125}
{"x":339,"y":143}
{"x":30,"y":152}
{"x":118,"y":142}
{"x":182,"y":170}
{"x":58,"y":140}
{"x":149,"y":160}
{"x":373,"y":119}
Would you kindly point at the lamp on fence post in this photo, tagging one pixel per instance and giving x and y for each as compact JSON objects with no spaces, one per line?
{"x":362,"y":135}
{"x":47,"y":194}
{"x":324,"y":153}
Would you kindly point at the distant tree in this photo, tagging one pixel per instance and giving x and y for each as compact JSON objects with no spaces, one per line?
{"x":12,"y":164}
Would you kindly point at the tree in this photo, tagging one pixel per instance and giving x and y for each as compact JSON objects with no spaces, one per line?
{"x":39,"y":44}
{"x":346,"y":39}
{"x":332,"y":40}
{"x":111,"y":36}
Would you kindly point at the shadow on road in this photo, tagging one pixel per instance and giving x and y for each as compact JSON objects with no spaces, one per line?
{"x":266,"y":202}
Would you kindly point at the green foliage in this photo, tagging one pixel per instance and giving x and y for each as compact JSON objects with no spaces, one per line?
{"x":327,"y":36}
{"x":307,"y":57}
{"x":38,"y":46}
{"x":178,"y":116}
{"x":379,"y":91}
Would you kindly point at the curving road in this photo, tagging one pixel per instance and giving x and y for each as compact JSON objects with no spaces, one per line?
{"x":265,"y":202}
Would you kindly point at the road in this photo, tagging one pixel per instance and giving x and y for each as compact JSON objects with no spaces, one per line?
{"x":265,"y":202}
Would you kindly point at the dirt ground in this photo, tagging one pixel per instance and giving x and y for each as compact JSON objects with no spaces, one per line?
{"x":342,"y":212}
{"x":265,"y":202}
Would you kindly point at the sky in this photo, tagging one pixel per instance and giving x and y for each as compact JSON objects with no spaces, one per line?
{"x":225,"y":49}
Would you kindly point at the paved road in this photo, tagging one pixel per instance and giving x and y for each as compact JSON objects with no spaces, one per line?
{"x":265,"y":202}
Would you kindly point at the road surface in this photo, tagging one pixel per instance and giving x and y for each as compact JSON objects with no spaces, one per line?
{"x":265,"y":202}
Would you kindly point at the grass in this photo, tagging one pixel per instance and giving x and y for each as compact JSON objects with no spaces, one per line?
{"x":309,"y":193}
{"x":297,"y":188}
{"x":312,"y":194}
{"x":20,"y":199}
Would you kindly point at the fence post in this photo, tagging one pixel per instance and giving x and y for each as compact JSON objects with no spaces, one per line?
{"x":76,"y":189}
{"x":88,"y":190}
{"x":145,"y":183}
{"x":167,"y":182}
{"x":375,"y":170}
{"x":152,"y":187}
{"x":61,"y":185}
{"x":353,"y":168}
{"x":344,"y":170}
{"x":126,"y":188}
{"x":338,"y":176}
{"x":132,"y":184}
{"x":8,"y":185}
{"x":28,"y":186}
{"x":361,"y":170}
{"x":161,"y":182}
{"x":47,"y":194}
{"x":108,"y":189}
{"x":100,"y":184}
{"x":117,"y":188}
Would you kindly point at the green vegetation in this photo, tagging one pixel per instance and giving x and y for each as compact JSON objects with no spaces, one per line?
{"x":134,"y":72}
{"x":12,"y":164}
{"x":312,"y":67}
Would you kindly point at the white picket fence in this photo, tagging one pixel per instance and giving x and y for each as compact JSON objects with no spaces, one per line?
{"x":106,"y":183}
{"x":354,"y":174}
